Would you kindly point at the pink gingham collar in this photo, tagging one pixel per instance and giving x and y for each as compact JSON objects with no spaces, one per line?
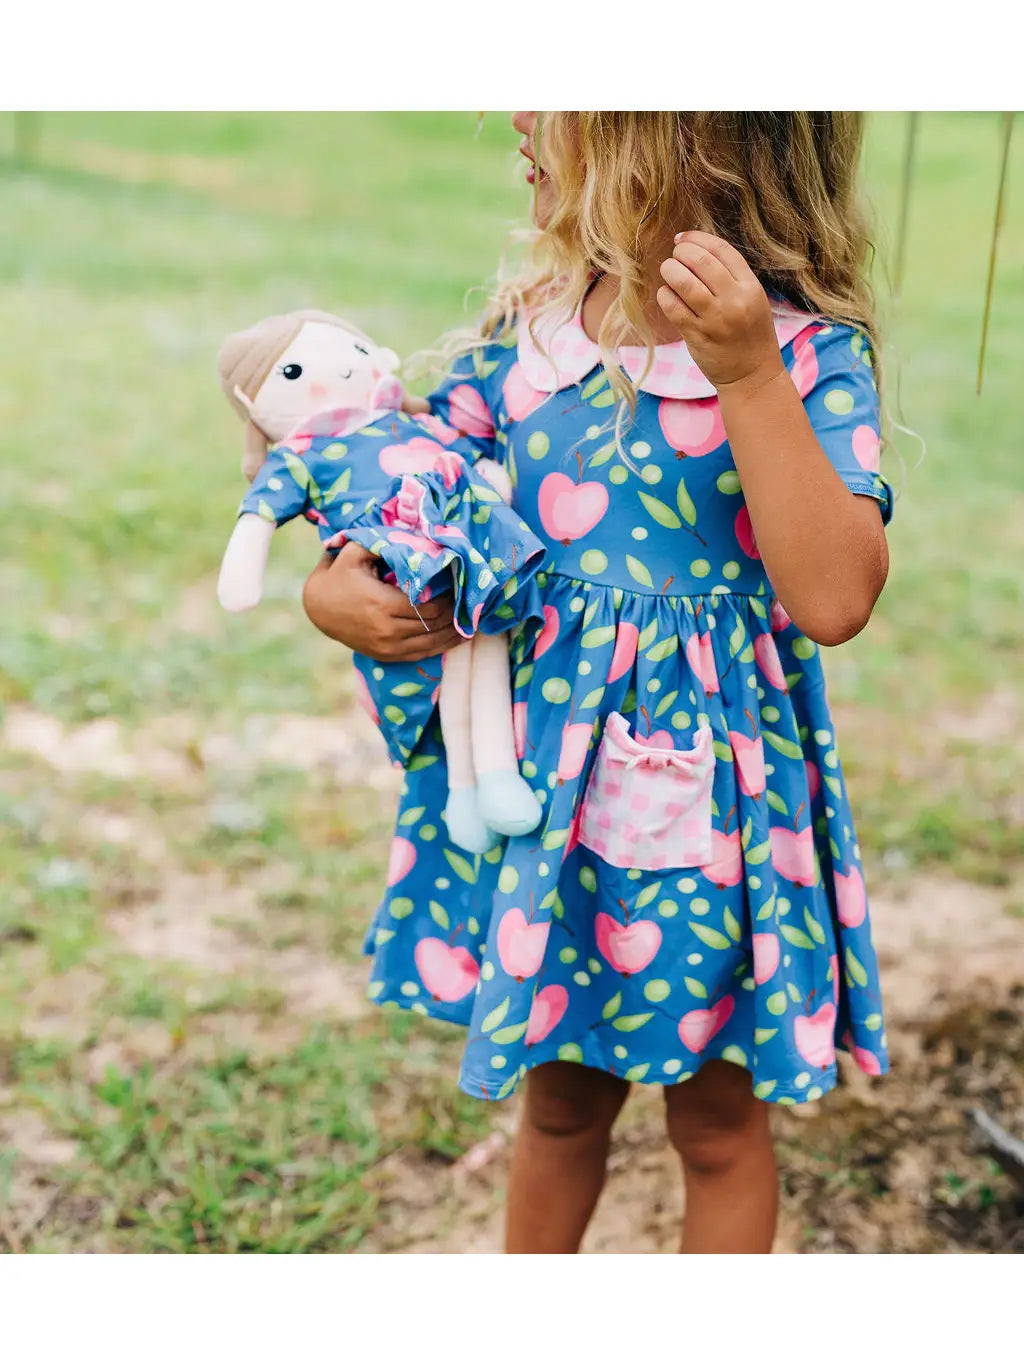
{"x":565,"y":354}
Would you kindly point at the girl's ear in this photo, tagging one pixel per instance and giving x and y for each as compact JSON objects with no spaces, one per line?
{"x":254,"y":451}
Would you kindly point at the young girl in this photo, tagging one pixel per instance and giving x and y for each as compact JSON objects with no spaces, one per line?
{"x":683,"y":393}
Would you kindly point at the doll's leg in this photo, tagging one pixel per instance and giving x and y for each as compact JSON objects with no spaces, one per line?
{"x":466,"y":826}
{"x":506,"y":800}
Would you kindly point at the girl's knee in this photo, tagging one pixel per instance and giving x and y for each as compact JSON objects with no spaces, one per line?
{"x":714,"y":1119}
{"x":564,"y":1099}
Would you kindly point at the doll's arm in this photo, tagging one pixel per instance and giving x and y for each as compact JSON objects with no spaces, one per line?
{"x":244,"y":565}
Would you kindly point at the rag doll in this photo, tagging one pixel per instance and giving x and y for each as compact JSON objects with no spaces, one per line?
{"x":329,"y":434}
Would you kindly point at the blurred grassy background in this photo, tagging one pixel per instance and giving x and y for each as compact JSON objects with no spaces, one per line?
{"x":161,"y":765}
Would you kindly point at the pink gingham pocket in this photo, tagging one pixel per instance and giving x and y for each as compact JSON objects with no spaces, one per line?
{"x":649,"y":808}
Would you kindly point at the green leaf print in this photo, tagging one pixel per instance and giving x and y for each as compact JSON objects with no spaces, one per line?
{"x":776,"y":1003}
{"x":407,"y":689}
{"x":640,"y":572}
{"x":592,"y":699}
{"x":410,"y":817}
{"x":786,"y":747}
{"x":711,"y":937}
{"x":646,"y":637}
{"x":591,"y":612}
{"x":593,"y":385}
{"x":695,"y":987}
{"x":685,"y":504}
{"x":764,"y":1035}
{"x":737,"y":638}
{"x":555,"y":838}
{"x":601,"y":456}
{"x":647,"y":895}
{"x":510,"y":1085}
{"x":813,"y":927}
{"x":776,"y":802}
{"x":337,"y":450}
{"x":835,"y":787}
{"x":600,"y":635}
{"x":421,"y":761}
{"x":492,"y":1020}
{"x":855,"y":969}
{"x":461,"y":867}
{"x":604,"y":399}
{"x":512,"y":1034}
{"x":339,"y":486}
{"x":723,"y":751}
{"x":663,"y":650}
{"x":666,"y":703}
{"x":629,"y":1023}
{"x":795,"y":936}
{"x":760,"y":853}
{"x":613,"y":1006}
{"x":440,"y":916}
{"x":732,"y":926}
{"x":745,"y":836}
{"x":297,"y":469}
{"x":266,"y":511}
{"x":661,"y":513}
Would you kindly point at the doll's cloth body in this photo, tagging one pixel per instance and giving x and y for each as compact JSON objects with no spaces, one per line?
{"x":414,"y":502}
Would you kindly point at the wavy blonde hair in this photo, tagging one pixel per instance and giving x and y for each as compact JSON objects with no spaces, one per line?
{"x":781,"y":187}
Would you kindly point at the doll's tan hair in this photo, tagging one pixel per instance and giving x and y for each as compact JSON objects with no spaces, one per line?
{"x":247,"y":357}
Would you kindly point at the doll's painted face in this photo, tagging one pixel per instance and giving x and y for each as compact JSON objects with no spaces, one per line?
{"x":322,"y":367}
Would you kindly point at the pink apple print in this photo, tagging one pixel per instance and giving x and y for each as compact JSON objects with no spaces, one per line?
{"x":468,"y":412}
{"x":364,"y":698}
{"x":698,"y":1027}
{"x":449,"y":974}
{"x":793,"y":855}
{"x":519,"y":727}
{"x":521,"y":398}
{"x":418,"y":455}
{"x":440,"y":430}
{"x":701,"y":657}
{"x":749,"y":754}
{"x":692,"y":427}
{"x":767,"y":656}
{"x":660,"y":739}
{"x":548,"y":634}
{"x":546,"y":1012}
{"x":781,"y":618}
{"x":575,"y":743}
{"x":574,"y":829}
{"x":813,"y":778}
{"x":814,"y":1035}
{"x":745,"y":534}
{"x":866,"y":448}
{"x":402,"y":859}
{"x":867,"y":1061}
{"x":628,"y":947}
{"x":851,"y":898}
{"x":521,"y":944}
{"x":804,"y":370}
{"x":626,"y":639}
{"x":766,"y":956}
{"x":569,"y":510}
{"x":726,"y":865}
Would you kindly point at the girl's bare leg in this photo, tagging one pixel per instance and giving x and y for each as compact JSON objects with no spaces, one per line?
{"x":558,"y":1165}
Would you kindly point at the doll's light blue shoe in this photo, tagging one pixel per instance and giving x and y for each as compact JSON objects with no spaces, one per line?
{"x":506,"y":801}
{"x":467,"y":827}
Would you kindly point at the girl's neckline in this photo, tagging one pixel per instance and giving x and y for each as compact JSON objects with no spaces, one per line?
{"x":556,"y":353}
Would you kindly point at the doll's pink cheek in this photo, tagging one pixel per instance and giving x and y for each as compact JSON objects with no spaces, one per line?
{"x":317,"y":391}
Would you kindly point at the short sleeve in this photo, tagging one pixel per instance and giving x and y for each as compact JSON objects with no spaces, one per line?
{"x":461,"y":404}
{"x":832,"y":369}
{"x":280,"y":490}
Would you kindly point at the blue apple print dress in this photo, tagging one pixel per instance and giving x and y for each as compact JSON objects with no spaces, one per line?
{"x":694,"y":890}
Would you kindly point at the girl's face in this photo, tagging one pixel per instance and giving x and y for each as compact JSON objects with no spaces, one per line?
{"x":542,"y":203}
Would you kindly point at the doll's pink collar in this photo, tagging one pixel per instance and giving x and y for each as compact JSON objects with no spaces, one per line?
{"x":565,"y":354}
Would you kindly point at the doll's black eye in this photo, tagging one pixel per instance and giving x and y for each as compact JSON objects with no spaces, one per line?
{"x":361,"y":349}
{"x":291,"y":371}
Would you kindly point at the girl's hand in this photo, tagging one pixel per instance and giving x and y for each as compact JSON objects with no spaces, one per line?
{"x":723,"y":313}
{"x":345,"y":599}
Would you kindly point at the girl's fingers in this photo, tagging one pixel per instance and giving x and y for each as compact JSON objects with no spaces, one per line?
{"x":705,"y":265}
{"x":721,"y":250}
{"x":690,"y":287}
{"x":677,"y":312}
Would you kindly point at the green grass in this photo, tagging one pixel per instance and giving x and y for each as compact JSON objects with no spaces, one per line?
{"x":206,"y":1110}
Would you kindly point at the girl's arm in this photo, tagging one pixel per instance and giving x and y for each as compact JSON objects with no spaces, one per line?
{"x":823,"y":545}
